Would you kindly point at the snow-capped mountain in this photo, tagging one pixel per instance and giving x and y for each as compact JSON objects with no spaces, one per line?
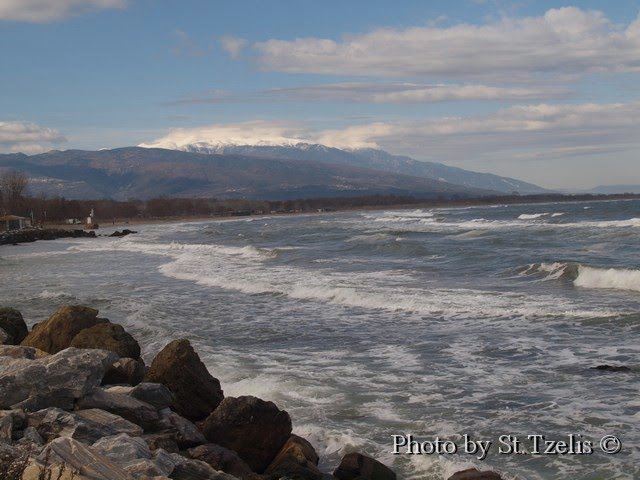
{"x":293,"y":149}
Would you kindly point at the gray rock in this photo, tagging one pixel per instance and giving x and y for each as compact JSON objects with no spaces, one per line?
{"x":86,"y":461}
{"x":125,"y":406}
{"x":31,"y":435}
{"x":58,"y":379}
{"x":122,"y":449}
{"x":185,"y":433}
{"x":86,"y":426}
{"x":221,"y":459}
{"x":187,"y":469}
{"x":164,"y":441}
{"x":154,"y":394}
{"x":6,"y":429}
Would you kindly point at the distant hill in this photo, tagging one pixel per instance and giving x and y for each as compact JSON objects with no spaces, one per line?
{"x":144,"y":173}
{"x":371,"y":158}
{"x":613,"y":189}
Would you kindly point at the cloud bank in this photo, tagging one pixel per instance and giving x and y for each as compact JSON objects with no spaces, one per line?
{"x":28,"y":137}
{"x":45,"y":11}
{"x":565,"y":40}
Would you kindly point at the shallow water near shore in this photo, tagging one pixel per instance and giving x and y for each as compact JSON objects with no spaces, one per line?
{"x":482,"y":321}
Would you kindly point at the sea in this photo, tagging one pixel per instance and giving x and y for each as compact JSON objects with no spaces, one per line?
{"x":374,"y":329}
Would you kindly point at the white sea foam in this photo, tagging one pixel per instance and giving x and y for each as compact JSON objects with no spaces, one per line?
{"x":531,"y":216}
{"x":608,"y":278}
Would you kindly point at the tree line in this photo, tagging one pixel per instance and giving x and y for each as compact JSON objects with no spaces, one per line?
{"x":13,"y":200}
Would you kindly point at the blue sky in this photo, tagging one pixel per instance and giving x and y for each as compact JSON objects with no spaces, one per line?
{"x":544,"y":91}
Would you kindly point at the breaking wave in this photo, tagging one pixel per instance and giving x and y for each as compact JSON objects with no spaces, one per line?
{"x":586,"y":276}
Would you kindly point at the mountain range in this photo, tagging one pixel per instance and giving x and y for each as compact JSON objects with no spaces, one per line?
{"x":275,"y":172}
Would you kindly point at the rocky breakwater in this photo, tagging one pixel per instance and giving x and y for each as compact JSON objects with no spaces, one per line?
{"x":32,"y":234}
{"x":77,"y":401}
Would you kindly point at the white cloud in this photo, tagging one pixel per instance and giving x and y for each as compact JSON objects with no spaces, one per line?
{"x":524,"y":131}
{"x":27,"y":137}
{"x":566,"y":40}
{"x":44,"y":11}
{"x":233,"y":45}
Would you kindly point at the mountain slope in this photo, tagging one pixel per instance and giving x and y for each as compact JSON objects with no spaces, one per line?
{"x":375,"y":159}
{"x":144,"y":173}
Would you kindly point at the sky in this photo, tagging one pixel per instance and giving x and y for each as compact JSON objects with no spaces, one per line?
{"x":543,"y":91}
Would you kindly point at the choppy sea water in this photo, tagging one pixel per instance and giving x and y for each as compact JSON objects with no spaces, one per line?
{"x":438,"y":323}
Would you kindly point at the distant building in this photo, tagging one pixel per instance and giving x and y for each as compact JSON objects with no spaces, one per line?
{"x":13,"y":222}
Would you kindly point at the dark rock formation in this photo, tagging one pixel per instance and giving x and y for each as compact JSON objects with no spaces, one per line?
{"x":179,"y":367}
{"x":108,"y":336}
{"x":127,"y":371}
{"x":12,"y":323}
{"x":221,"y":458}
{"x":357,"y":466}
{"x":183,"y":432}
{"x":297,"y":460}
{"x":475,"y":474}
{"x":125,"y":406}
{"x":31,"y":235}
{"x":154,"y":394}
{"x":57,"y":332}
{"x":253,"y":428}
{"x":122,"y":233}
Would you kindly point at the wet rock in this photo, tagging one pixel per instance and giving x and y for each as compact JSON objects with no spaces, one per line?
{"x":12,"y":323}
{"x":122,"y":448}
{"x":154,"y":394}
{"x":163,"y":441}
{"x":185,"y":433}
{"x":186,"y":469}
{"x":252,"y":427}
{"x":475,"y":474}
{"x":108,"y":336}
{"x":125,"y":406}
{"x":122,"y":233}
{"x":55,"y":380}
{"x":297,"y":460}
{"x":179,"y":368}
{"x":86,"y":461}
{"x":87,"y":426}
{"x":358,"y":466}
{"x":57,"y":332}
{"x":220,"y":459}
{"x":612,"y":368}
{"x":127,"y":371}
{"x":17,"y":352}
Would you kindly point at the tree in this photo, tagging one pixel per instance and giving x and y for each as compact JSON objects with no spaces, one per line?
{"x":12,"y":186}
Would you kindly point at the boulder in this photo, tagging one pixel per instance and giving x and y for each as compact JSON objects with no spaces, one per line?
{"x":87,"y":426}
{"x":162,"y":441}
{"x":355,"y":465}
{"x":128,"y":371}
{"x":57,"y":332}
{"x":12,"y":323}
{"x":122,"y":448}
{"x":154,"y":394}
{"x":475,"y":474}
{"x":108,"y":336}
{"x":125,"y":406}
{"x":183,"y":432}
{"x":4,"y":337}
{"x":17,"y":351}
{"x":82,"y":459}
{"x":221,"y":459}
{"x":55,"y":380}
{"x":187,"y":469}
{"x":297,"y":460}
{"x":179,"y":367}
{"x":6,"y":429}
{"x":252,"y":427}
